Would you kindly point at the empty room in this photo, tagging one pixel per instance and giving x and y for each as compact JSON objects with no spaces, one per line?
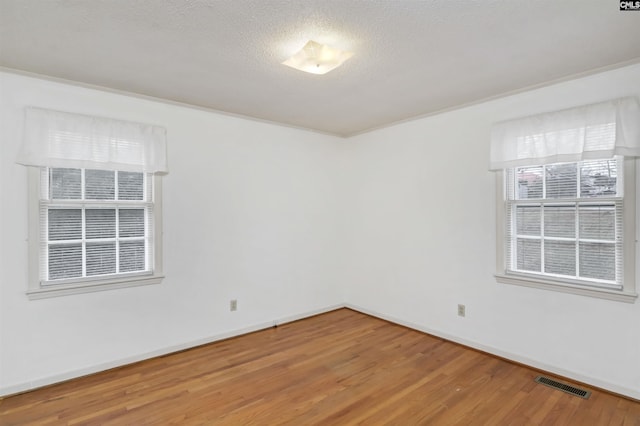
{"x":326,"y":212}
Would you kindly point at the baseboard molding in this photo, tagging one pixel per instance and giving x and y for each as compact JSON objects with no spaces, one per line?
{"x":57,"y":378}
{"x":610,"y":387}
{"x":74,"y":374}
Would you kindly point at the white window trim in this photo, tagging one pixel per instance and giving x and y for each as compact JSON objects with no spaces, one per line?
{"x":627,"y":294}
{"x":38,"y":291}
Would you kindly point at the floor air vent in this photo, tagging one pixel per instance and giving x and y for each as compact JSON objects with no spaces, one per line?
{"x":563,"y":387}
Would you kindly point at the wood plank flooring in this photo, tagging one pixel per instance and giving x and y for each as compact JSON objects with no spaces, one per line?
{"x":339,"y":368}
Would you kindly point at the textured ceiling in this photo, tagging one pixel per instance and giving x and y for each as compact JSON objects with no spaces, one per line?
{"x":412,"y":57}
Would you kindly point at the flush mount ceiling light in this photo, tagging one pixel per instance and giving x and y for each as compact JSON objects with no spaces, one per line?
{"x":317,"y":58}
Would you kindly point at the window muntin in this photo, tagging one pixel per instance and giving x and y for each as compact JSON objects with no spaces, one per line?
{"x":564,"y":221}
{"x":95,"y":224}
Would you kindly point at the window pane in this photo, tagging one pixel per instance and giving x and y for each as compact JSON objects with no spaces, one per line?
{"x":130,"y":186}
{"x":598,"y":222}
{"x":101,"y":258}
{"x":100,"y":223}
{"x":65,"y":184}
{"x":528,"y":257}
{"x":528,"y":220}
{"x":597,"y":260}
{"x":132,"y":256}
{"x":560,"y":257}
{"x":599,"y":178}
{"x":131,"y":222}
{"x":65,"y":261}
{"x":529,"y":182}
{"x":65,"y":224}
{"x":100,"y":185}
{"x":561,"y":180}
{"x":560,"y":221}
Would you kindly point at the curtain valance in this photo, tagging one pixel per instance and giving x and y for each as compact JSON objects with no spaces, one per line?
{"x":594,"y":131}
{"x":62,"y":139}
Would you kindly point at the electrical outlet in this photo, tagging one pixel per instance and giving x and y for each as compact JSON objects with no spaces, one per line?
{"x":233,"y":305}
{"x":461,"y":310}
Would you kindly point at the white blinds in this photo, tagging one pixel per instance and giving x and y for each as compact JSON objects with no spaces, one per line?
{"x":597,"y":131}
{"x":95,"y":224}
{"x":565,"y":221}
{"x":61,"y":139}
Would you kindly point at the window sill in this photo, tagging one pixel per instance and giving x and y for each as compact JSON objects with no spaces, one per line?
{"x":45,"y":292}
{"x":619,"y":296}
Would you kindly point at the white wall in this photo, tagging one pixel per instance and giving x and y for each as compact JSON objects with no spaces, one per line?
{"x":422,"y":240}
{"x":292,"y":222}
{"x":249,"y":213}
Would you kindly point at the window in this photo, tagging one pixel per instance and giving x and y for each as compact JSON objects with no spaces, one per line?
{"x":95,"y":218}
{"x":566,"y":205}
{"x":95,"y":223}
{"x":564,"y":222}
{"x":97,"y":229}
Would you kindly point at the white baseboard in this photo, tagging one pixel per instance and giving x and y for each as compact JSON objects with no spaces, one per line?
{"x":57,"y":378}
{"x":621,"y":390}
{"x":49,"y":380}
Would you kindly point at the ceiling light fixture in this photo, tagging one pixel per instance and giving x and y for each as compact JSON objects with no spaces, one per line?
{"x":317,"y":58}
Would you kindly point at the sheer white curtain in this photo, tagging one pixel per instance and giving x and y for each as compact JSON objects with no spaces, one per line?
{"x":67,"y":140}
{"x":596,"y":131}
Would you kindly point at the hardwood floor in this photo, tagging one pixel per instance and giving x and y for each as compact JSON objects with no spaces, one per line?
{"x":338,"y":368}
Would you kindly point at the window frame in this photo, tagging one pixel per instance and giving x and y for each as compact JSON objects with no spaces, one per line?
{"x":38,"y":290}
{"x":626,"y":294}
